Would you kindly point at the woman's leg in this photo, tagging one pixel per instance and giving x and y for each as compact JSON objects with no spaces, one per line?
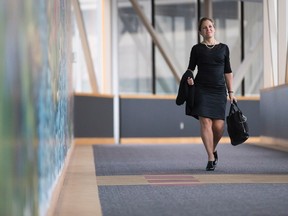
{"x":218,"y":130}
{"x":207,"y":136}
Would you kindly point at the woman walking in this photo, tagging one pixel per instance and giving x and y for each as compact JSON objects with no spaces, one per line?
{"x":213,"y":81}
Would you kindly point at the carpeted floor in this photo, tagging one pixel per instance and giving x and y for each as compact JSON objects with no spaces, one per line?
{"x":238,"y":200}
{"x":187,"y":159}
{"x":199,"y":199}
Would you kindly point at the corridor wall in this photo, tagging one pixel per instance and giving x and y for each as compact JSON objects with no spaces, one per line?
{"x":145,"y":118}
{"x":36,"y":127}
{"x":274,"y":118}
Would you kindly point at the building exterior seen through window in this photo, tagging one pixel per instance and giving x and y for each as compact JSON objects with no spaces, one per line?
{"x":141,"y":68}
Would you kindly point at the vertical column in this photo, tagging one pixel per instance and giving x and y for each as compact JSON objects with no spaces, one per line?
{"x":208,"y":8}
{"x":106,"y":46}
{"x":153,"y":50}
{"x":286,"y":74}
{"x":282,"y":40}
{"x":270,"y":43}
{"x":115,"y":81}
{"x":242,"y":27}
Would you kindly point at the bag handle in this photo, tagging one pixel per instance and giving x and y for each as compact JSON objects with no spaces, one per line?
{"x":234,"y":107}
{"x":235,"y":103}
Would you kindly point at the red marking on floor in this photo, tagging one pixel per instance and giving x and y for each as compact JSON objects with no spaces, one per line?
{"x":168,"y":177}
{"x":170,"y":181}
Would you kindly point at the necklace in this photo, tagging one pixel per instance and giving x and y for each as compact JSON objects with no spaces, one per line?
{"x":210,"y":46}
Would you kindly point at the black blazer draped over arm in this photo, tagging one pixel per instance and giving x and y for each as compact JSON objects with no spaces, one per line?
{"x":186,"y":92}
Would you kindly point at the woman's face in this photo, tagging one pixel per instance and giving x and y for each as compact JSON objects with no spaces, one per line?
{"x":207,"y":29}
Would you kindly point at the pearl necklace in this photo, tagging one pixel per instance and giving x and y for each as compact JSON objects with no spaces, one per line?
{"x":208,"y":46}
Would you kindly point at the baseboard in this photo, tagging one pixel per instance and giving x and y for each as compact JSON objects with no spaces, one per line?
{"x":59,"y":183}
{"x":93,"y":140}
{"x":275,"y":143}
{"x":151,"y":140}
{"x":174,"y":140}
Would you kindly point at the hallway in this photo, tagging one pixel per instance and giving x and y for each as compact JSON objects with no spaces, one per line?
{"x":171,"y":180}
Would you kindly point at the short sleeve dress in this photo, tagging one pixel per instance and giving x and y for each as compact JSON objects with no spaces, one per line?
{"x":210,"y":87}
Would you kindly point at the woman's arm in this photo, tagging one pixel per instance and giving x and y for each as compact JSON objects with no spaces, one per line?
{"x":229,"y":84}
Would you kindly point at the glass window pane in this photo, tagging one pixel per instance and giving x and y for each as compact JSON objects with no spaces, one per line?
{"x":253,"y":15}
{"x":91,"y":12}
{"x":134,"y":49}
{"x":227,"y":18}
{"x":176,"y":25}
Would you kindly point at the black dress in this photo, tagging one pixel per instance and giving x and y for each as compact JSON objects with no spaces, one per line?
{"x":210,"y":87}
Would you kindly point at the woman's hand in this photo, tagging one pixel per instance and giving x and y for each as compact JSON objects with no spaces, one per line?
{"x":232,"y":97}
{"x":190,"y":81}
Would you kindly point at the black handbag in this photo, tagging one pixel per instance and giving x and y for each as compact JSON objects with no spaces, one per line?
{"x":237,"y":125}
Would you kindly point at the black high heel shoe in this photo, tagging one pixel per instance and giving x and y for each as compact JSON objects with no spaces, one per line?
{"x":216,"y":158}
{"x":210,"y":166}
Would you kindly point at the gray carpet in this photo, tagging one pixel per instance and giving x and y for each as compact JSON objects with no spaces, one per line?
{"x":210,"y":200}
{"x":187,"y":159}
{"x":203,"y":199}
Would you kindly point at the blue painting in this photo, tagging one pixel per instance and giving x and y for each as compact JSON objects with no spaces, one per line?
{"x":36,"y":107}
